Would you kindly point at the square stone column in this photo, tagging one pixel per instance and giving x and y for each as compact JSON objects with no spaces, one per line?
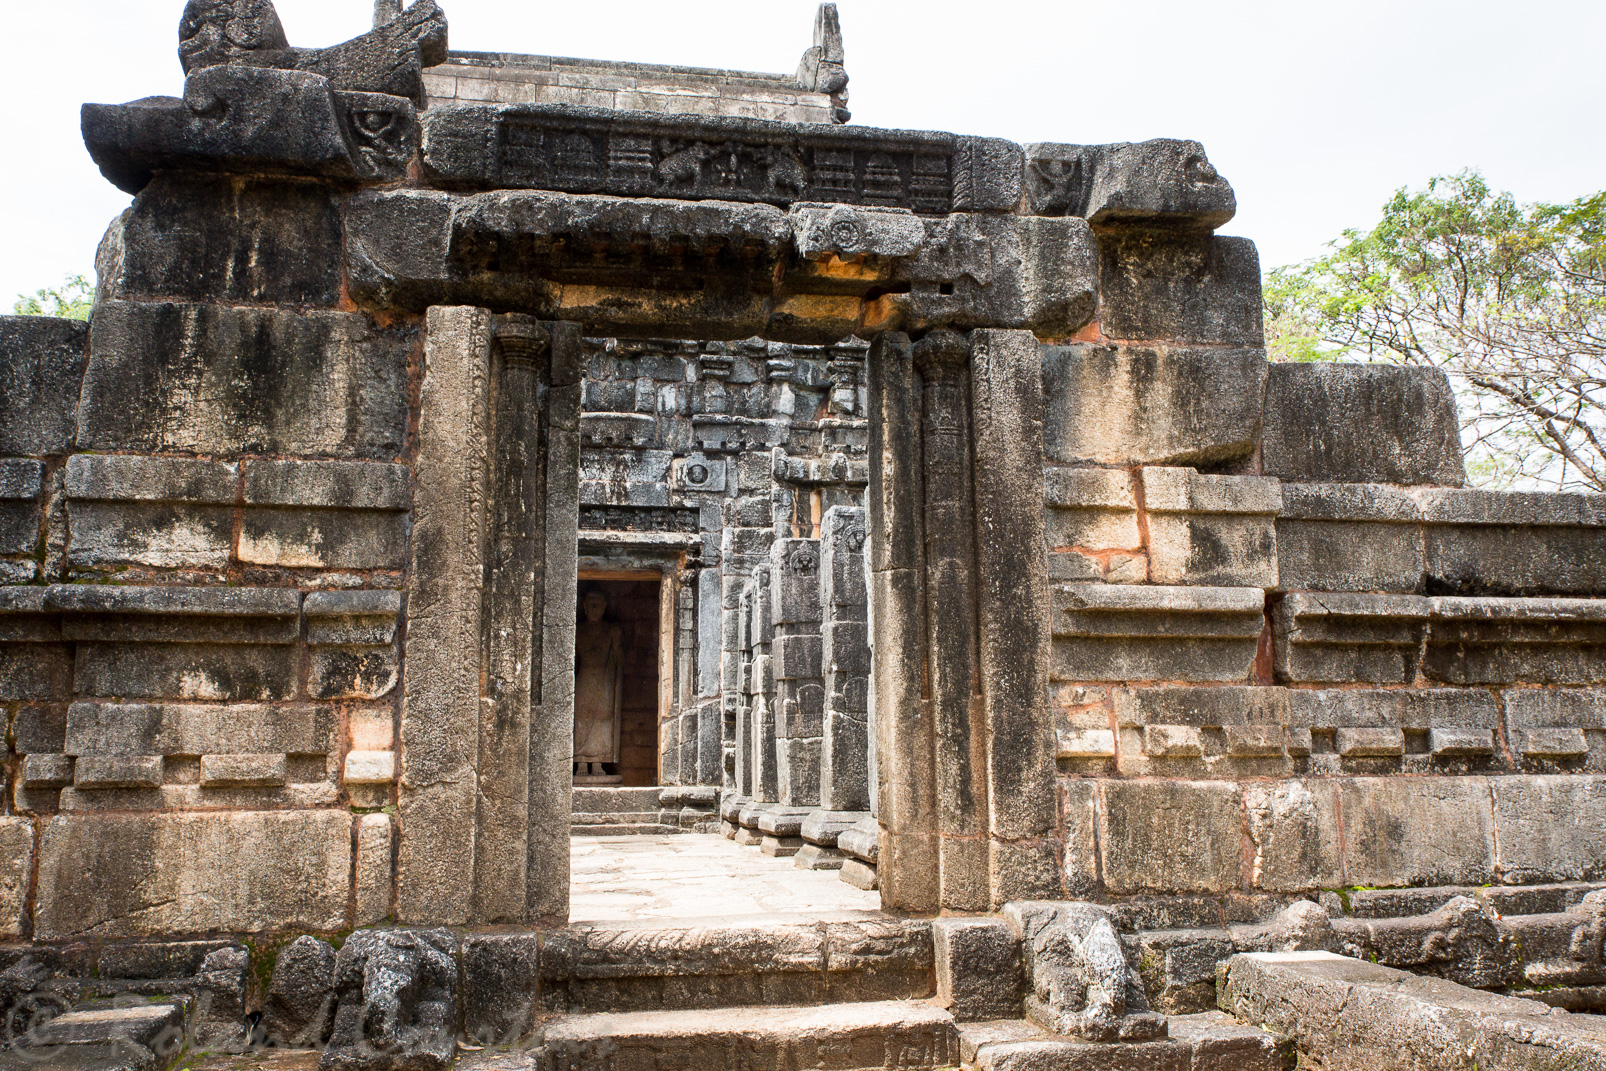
{"x":796,"y":657}
{"x":845,"y":658}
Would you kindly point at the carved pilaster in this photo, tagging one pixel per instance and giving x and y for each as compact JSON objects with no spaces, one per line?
{"x":942,"y":358}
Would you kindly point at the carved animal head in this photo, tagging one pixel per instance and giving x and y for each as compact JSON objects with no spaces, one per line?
{"x":214,"y":32}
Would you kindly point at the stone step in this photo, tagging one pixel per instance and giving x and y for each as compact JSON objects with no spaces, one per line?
{"x":867,"y":1036}
{"x":845,"y":957}
{"x":155,"y":1026}
{"x":1206,"y":1040}
{"x":604,"y":818}
{"x":625,"y":829}
{"x":104,"y":1056}
{"x":614,"y":800}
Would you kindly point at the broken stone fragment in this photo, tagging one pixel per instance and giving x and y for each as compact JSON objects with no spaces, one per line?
{"x":1159,"y":183}
{"x":299,"y":1009}
{"x":1080,"y":981}
{"x":388,"y":59}
{"x":398,"y":997}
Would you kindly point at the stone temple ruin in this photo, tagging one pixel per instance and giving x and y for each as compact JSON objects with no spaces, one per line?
{"x":468,"y":452}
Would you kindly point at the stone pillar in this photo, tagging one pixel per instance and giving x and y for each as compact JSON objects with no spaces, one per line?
{"x":845,"y":658}
{"x":487,"y":716}
{"x":744,"y":713}
{"x":1013,"y":610}
{"x":766,"y":780}
{"x":518,"y":360}
{"x":906,"y":796}
{"x":795,"y":650}
{"x":950,"y":566}
{"x":552,"y":720}
{"x":441,"y":698}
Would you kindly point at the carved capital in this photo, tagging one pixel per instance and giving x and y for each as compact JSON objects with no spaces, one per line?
{"x":520,"y":338}
{"x":941,"y":355}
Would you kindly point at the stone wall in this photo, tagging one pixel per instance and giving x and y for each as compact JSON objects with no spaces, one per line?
{"x":290,"y":540}
{"x":496,"y":78}
{"x":1298,"y":655}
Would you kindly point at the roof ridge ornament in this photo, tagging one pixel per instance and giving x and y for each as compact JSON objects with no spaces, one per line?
{"x":387,"y":59}
{"x":822,"y":69}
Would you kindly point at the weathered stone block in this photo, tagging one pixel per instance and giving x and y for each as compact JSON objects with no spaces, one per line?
{"x":1369,"y":743}
{"x":243,"y":771}
{"x":1345,"y":637}
{"x":35,"y":671}
{"x":1216,"y":530}
{"x":795,"y":584}
{"x":1495,"y":641}
{"x":117,"y":771}
{"x":1349,"y":537}
{"x":1417,"y":831}
{"x":1201,"y":707}
{"x":184,"y":671}
{"x":332,"y":484}
{"x":374,"y":872}
{"x":1092,"y":509}
{"x":150,"y":479}
{"x":954,"y":281}
{"x":796,"y":657}
{"x":1343,"y":1012}
{"x":352,"y":672}
{"x":1293,"y":826}
{"x":209,"y":238}
{"x":978,"y":968}
{"x":323,"y":538}
{"x":1172,"y":836}
{"x":20,"y":485}
{"x":499,"y":987}
{"x":277,"y":382}
{"x":1494,"y":543}
{"x":134,"y":876}
{"x":1361,"y":423}
{"x":1550,"y":828}
{"x":240,"y":117}
{"x":1158,"y":287}
{"x":351,"y":617}
{"x":1152,"y":405}
{"x":41,"y":368}
{"x":162,"y":535}
{"x":197,"y":729}
{"x":16,"y":868}
{"x":298,"y":1009}
{"x":1154,"y":633}
{"x":1416,"y":708}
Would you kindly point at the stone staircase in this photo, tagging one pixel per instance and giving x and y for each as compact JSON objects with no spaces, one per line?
{"x":849,"y":991}
{"x":854,"y":991}
{"x":612,"y":811}
{"x":615,"y":812}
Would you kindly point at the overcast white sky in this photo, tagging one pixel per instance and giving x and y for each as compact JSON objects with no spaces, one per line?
{"x":1315,"y":112}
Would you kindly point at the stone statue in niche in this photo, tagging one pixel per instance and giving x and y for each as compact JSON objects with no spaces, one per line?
{"x":598,"y":684}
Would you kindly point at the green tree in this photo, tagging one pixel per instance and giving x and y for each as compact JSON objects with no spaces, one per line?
{"x":73,"y":301}
{"x":1508,"y":299}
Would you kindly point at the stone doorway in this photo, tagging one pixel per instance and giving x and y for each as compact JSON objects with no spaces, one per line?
{"x":632,"y":613}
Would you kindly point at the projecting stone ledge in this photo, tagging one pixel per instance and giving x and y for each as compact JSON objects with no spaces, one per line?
{"x":1346,"y":1014}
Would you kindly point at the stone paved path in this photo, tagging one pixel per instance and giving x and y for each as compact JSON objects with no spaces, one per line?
{"x":266,"y":1060}
{"x":697,"y":875}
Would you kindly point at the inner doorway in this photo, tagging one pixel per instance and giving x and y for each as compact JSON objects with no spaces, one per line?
{"x":617,"y":681}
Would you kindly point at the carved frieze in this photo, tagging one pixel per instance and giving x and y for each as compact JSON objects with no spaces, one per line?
{"x":637,"y":519}
{"x":577,"y":150}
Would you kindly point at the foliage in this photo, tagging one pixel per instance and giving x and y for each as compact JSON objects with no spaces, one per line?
{"x":73,"y":301}
{"x":1508,"y":299}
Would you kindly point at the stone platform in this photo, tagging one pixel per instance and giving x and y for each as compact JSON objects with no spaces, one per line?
{"x":697,"y":875}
